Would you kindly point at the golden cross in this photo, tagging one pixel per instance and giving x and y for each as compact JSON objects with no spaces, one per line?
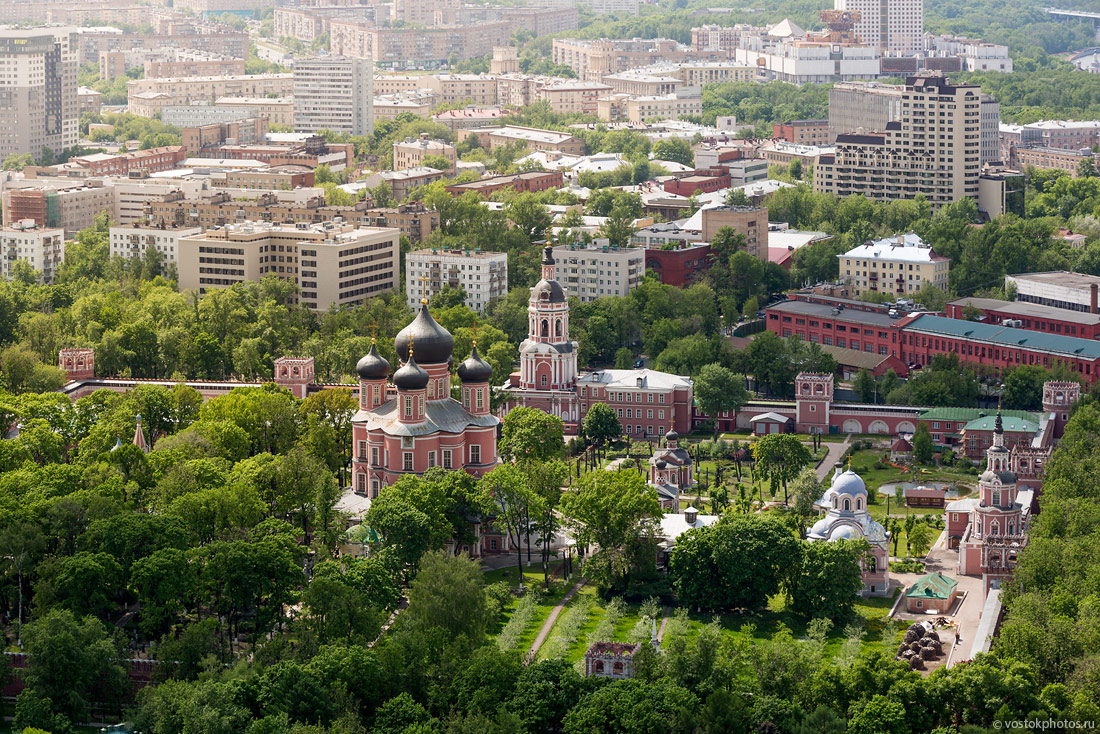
{"x":474,"y":330}
{"x":373,"y":331}
{"x":424,"y":289}
{"x":410,"y":359}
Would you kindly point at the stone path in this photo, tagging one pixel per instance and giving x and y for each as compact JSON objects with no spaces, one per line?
{"x":836,"y":450}
{"x":548,"y":625}
{"x":664,"y":622}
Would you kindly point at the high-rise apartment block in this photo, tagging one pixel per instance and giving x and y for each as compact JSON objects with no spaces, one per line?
{"x":891,"y":25}
{"x":482,"y":275}
{"x":862,"y":107}
{"x":334,"y":93}
{"x":38,"y":90}
{"x":333,"y":264}
{"x":934,"y":148}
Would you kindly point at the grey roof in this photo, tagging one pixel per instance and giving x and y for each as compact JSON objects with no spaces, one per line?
{"x":804,"y":308}
{"x":529,"y":346}
{"x":1026,"y":308}
{"x":442,"y":416}
{"x":770,"y":416}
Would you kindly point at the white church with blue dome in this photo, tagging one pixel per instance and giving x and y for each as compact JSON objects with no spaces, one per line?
{"x":847,"y":518}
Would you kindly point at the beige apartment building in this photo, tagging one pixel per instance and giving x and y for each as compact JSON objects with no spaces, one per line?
{"x":598,"y":269}
{"x":898,"y":266}
{"x":277,"y":110}
{"x":132,"y":240}
{"x":574,"y":96}
{"x":751,"y":221}
{"x":482,"y":275}
{"x":174,"y":69}
{"x":39,"y":107}
{"x":532,"y":138}
{"x":333,"y":264}
{"x":934,"y":149}
{"x":411,"y":152}
{"x":189,"y":90}
{"x":41,"y":248}
{"x":334,"y":93}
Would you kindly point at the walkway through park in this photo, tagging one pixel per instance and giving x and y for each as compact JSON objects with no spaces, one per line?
{"x":548,"y":625}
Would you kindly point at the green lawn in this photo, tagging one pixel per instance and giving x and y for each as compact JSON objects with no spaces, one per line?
{"x":532,"y":579}
{"x":873,"y":612}
{"x":598,"y":613}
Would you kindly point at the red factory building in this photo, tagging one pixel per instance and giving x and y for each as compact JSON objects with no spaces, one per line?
{"x":1030,"y":316}
{"x":916,"y":338}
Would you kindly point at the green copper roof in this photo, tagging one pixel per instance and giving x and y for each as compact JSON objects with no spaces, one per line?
{"x":932,"y":586}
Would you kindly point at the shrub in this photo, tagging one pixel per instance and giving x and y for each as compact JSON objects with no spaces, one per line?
{"x":521,"y":617}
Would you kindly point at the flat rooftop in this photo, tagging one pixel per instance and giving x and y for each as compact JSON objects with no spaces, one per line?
{"x":1062,"y":278}
{"x":820,"y":310}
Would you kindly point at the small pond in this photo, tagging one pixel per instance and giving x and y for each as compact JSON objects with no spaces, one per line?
{"x":953,"y":491}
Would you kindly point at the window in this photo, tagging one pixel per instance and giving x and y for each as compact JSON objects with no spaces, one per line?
{"x":446,"y":458}
{"x":362,"y":449}
{"x":361,"y":482}
{"x":407,"y":461}
{"x":996,"y":498}
{"x":475,"y":454}
{"x":542,"y":380}
{"x":431,"y":459}
{"x":408,"y":406}
{"x":374,"y":456}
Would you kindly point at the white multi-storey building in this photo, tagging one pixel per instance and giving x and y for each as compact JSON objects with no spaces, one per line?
{"x":899,"y":265}
{"x":598,"y":270}
{"x":43,"y":248}
{"x":890,"y":25}
{"x":133,"y":240}
{"x":482,"y":275}
{"x":334,"y":93}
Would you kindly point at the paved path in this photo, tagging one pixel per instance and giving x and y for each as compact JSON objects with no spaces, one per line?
{"x":836,"y":450}
{"x":548,"y":625}
{"x":664,"y":622}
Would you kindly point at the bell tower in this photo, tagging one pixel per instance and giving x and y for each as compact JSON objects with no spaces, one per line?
{"x":548,"y":358}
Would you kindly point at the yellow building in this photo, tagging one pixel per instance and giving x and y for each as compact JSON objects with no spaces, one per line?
{"x":898,"y":266}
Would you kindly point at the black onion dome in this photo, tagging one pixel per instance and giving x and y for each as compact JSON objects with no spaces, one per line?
{"x":475,"y":369}
{"x":434,"y":344}
{"x":411,"y":376}
{"x":672,"y":436}
{"x":548,"y":291}
{"x":373,"y":366}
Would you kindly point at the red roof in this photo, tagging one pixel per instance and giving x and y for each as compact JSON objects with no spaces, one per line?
{"x":900,"y":445}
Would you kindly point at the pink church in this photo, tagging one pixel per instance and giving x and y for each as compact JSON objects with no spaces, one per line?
{"x":648,"y":403}
{"x":993,"y":526}
{"x":421,"y":426}
{"x":847,"y":518}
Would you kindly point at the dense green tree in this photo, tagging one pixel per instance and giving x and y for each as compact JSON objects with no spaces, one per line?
{"x":781,"y":456}
{"x":720,"y":390}
{"x":922,"y":444}
{"x":739,"y":562}
{"x":829,"y":578}
{"x":529,"y":434}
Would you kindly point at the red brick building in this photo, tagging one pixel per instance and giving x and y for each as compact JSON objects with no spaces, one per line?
{"x":803,"y":132}
{"x":682,"y":266}
{"x":703,"y":181}
{"x":151,"y":161}
{"x":1029,"y":316}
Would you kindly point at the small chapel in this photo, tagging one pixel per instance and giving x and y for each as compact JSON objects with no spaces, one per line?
{"x":410,"y":423}
{"x":847,"y":518}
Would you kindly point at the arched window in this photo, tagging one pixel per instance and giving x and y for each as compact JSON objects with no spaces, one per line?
{"x":834,"y":503}
{"x":872,"y":564}
{"x":542,"y":380}
{"x":599,"y":666}
{"x":544,"y":330}
{"x":408,"y":406}
{"x":557,"y":327}
{"x":994,"y":527}
{"x":847,"y":505}
{"x":859,"y":503}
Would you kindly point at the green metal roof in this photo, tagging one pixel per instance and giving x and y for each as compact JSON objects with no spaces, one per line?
{"x":965,"y":415}
{"x":1008,"y":423}
{"x":932,"y":586}
{"x":1068,"y":347}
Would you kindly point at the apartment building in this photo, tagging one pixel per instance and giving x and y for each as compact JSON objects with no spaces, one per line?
{"x":1056,"y":158}
{"x":592,"y":60}
{"x":411,"y":152}
{"x":88,"y":100}
{"x":811,"y":60}
{"x":71,"y":209}
{"x":153,"y":94}
{"x":132,"y":240}
{"x":574,"y":96}
{"x":898,"y":266}
{"x":277,"y":110}
{"x":890,"y":25}
{"x":464,"y":88}
{"x":401,"y":48}
{"x":286,"y":178}
{"x":532,"y":138}
{"x":334,"y":93}
{"x":640,"y":109}
{"x":43,"y":248}
{"x":199,"y":115}
{"x":482,"y":275}
{"x":605,"y":7}
{"x":39,"y":107}
{"x":862,"y":107}
{"x":333,"y":264}
{"x":528,"y":181}
{"x":242,"y":132}
{"x":215,"y":38}
{"x":177,"y":68}
{"x":751,"y":221}
{"x":151,"y":160}
{"x":803,"y":132}
{"x":934,"y":149}
{"x":598,"y":270}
